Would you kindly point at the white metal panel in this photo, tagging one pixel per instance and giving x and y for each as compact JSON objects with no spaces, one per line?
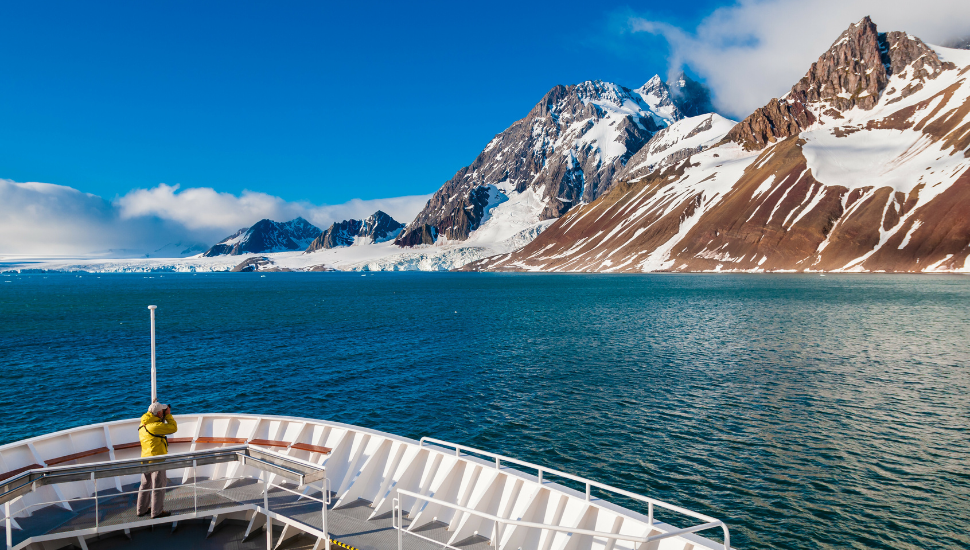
{"x":631,"y":527}
{"x":407,"y":476}
{"x":367,"y":481}
{"x":585,"y":542}
{"x":485,"y":498}
{"x":533,"y":507}
{"x":574,"y":514}
{"x":337,"y":461}
{"x":445,"y":487}
{"x":607,"y":521}
{"x":358,"y":446}
{"x":369,"y":446}
{"x":290,"y":431}
{"x":552,"y":516}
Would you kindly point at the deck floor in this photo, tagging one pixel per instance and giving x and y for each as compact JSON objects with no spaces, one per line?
{"x":347,"y":524}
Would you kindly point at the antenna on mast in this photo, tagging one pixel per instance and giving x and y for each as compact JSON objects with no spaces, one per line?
{"x":154,"y":395}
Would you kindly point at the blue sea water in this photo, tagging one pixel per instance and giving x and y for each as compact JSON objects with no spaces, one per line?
{"x":807,"y":412}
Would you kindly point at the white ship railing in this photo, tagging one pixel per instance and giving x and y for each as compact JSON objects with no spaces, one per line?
{"x":710,"y":523}
{"x":288,"y":468}
{"x":363,"y":464}
{"x":501,"y":522}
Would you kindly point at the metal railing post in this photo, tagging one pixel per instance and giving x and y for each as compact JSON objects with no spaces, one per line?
{"x":195,"y":488}
{"x":399,"y":516}
{"x":326,"y":501}
{"x":96,"y":514}
{"x":727,"y":537}
{"x":9,"y":524}
{"x":650,"y":515}
{"x":501,"y":531}
{"x":269,"y":520}
{"x":587,"y":492}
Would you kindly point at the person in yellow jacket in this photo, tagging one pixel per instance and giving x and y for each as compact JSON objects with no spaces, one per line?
{"x":156,"y":425}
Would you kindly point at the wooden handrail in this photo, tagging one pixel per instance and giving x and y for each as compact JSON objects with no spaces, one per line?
{"x":18,"y":471}
{"x":269,"y":443}
{"x":75,"y":456}
{"x":216,"y":440}
{"x":311,"y":448}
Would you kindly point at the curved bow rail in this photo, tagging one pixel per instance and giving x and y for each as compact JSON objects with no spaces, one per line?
{"x":377,"y":488}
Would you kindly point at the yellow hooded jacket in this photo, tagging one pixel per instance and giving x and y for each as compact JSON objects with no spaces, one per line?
{"x":152,"y":433}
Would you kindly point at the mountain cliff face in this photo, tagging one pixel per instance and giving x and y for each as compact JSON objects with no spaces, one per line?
{"x":378,"y":228}
{"x":566,"y":151}
{"x":853,"y":73}
{"x":267,"y":236}
{"x":863,"y":166}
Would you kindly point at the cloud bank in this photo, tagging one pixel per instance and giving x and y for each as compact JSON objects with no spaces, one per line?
{"x":756,"y":50}
{"x":46,"y":220}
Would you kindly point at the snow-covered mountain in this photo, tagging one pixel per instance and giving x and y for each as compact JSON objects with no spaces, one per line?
{"x":680,"y":140}
{"x":378,"y":228}
{"x":267,"y":236}
{"x":566,"y":151}
{"x":863,"y":166}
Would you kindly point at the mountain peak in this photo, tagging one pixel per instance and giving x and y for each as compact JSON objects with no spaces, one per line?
{"x":377,"y":228}
{"x":565,"y":151}
{"x":853,"y":73}
{"x":267,"y":236}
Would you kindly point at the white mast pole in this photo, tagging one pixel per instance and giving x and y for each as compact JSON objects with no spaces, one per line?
{"x":154,"y":395}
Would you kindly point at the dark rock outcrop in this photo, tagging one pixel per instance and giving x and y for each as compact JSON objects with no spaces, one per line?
{"x":776,"y":120}
{"x":418,"y":235}
{"x":337,"y":235}
{"x":252,"y":264}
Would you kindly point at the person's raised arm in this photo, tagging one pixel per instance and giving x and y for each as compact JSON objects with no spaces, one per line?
{"x":166,"y":427}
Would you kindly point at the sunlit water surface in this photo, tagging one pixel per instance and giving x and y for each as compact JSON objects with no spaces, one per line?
{"x":805,"y":411}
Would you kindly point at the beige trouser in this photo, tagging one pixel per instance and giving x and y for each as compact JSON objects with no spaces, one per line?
{"x":153,"y":487}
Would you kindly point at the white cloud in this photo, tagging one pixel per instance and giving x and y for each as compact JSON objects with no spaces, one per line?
{"x":755,"y":50}
{"x":42,"y":219}
{"x":204,"y":208}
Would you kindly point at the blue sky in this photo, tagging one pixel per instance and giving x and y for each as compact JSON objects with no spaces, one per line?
{"x":309,"y":101}
{"x":149,"y":124}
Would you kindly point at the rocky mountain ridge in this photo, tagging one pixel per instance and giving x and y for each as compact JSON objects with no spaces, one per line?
{"x":567,"y":150}
{"x":266,"y":236}
{"x":854,"y":72}
{"x":377,"y":228}
{"x":863,"y":166}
